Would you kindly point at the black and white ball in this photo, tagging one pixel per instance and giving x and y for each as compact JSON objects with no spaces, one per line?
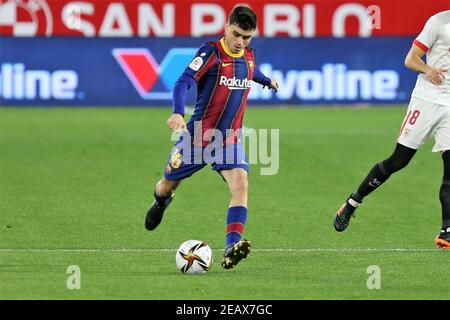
{"x":194,"y":257}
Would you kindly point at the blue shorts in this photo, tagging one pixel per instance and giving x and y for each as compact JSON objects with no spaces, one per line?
{"x":186,"y":159}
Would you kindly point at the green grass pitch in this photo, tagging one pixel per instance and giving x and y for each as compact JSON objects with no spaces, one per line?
{"x":75,"y":185}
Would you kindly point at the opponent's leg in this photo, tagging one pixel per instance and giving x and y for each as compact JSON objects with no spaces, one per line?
{"x":379,"y":174}
{"x":236,"y":249}
{"x":443,"y":239}
{"x":163,"y":194}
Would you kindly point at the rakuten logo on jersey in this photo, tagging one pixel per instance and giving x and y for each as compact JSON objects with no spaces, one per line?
{"x":332,"y":82}
{"x":17,"y":83}
{"x":235,"y":84}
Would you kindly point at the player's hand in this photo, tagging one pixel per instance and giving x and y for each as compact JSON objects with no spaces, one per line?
{"x":274,"y":85}
{"x":436,"y":75}
{"x":176,"y":123}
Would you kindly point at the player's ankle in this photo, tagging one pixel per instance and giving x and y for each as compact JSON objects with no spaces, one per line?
{"x":162,"y":200}
{"x":355,"y":200}
{"x":445,"y":228}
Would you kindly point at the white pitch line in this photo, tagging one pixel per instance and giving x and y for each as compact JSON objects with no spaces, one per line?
{"x":281,"y":250}
{"x":351,"y":250}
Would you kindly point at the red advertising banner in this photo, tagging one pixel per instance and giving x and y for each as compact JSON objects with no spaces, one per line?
{"x":140,"y":18}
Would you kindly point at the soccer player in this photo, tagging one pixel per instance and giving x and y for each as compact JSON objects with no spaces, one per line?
{"x":223,"y":71}
{"x":428,"y":115}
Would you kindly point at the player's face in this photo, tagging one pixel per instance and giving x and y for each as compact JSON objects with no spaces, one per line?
{"x":237,"y":38}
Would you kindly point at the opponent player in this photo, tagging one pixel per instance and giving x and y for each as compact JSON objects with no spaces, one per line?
{"x":428,"y":115}
{"x":223,"y":72}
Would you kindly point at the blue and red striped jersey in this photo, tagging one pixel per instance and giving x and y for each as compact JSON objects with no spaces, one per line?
{"x":223,"y":84}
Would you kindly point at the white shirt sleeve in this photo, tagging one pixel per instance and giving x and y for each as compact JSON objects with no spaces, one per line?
{"x":429,"y":34}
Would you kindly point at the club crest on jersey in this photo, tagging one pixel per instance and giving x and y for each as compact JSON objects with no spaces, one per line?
{"x":235,"y":84}
{"x":251,"y":65}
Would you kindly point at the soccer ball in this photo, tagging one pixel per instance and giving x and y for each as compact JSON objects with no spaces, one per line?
{"x":194,"y":257}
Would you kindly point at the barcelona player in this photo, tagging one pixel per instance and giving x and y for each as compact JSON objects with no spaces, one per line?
{"x":428,"y":115}
{"x":223,"y":72}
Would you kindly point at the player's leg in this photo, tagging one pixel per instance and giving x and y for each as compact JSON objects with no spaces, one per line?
{"x":380,"y":172}
{"x":164,"y":193}
{"x":233,"y":167}
{"x":443,"y":239}
{"x":442,"y":137}
{"x":177,"y":169}
{"x":237,"y":182}
{"x":421,"y":120}
{"x":235,"y":248}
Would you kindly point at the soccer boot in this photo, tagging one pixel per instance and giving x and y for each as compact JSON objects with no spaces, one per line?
{"x":155,"y":213}
{"x":235,"y":253}
{"x":443,"y":240}
{"x":343,"y":216}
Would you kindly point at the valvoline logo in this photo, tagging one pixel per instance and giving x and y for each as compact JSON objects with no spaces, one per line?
{"x":144,"y":72}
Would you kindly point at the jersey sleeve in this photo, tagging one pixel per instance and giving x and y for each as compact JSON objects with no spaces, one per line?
{"x":180,"y":93}
{"x":204,"y":59}
{"x":429,"y":34}
{"x":200,"y":64}
{"x":260,"y":78}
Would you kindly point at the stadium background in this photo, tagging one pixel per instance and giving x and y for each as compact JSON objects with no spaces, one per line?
{"x":130,"y":53}
{"x":78,"y":159}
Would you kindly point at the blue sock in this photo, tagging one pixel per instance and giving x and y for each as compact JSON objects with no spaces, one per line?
{"x":236,"y":218}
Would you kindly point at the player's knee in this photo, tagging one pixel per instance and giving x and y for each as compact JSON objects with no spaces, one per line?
{"x":400,"y":164}
{"x":395,"y":164}
{"x":399,"y":159}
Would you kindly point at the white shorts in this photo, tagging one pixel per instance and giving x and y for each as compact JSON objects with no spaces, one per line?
{"x":423,"y":120}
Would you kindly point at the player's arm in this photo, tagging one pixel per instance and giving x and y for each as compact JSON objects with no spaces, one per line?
{"x":202,"y":61}
{"x":260,"y":78}
{"x":180,"y":92}
{"x":414,"y":62}
{"x":424,"y":41}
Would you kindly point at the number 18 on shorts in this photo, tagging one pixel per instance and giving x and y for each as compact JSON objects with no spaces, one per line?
{"x":423,"y":120}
